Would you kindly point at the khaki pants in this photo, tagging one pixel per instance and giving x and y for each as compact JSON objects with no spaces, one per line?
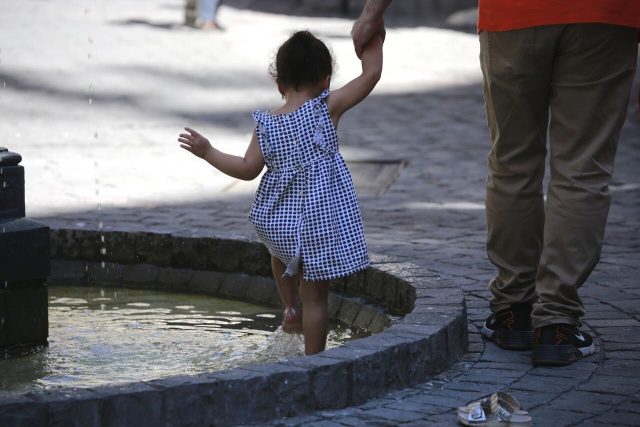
{"x":572,"y":81}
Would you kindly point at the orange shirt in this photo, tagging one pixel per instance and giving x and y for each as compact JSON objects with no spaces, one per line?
{"x":501,"y":15}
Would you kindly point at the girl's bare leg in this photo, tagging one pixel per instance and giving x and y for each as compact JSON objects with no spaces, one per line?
{"x":315,"y":317}
{"x":288,"y":294}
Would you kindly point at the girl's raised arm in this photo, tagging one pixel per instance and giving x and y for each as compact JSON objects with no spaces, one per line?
{"x":246,"y":168}
{"x":357,"y":89}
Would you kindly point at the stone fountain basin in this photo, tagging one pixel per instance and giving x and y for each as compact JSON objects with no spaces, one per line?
{"x":418,"y":324}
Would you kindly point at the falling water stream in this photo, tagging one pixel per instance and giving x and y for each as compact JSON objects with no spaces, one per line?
{"x":111,"y":335}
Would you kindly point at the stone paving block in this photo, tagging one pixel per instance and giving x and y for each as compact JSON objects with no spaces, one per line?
{"x":592,"y":422}
{"x":485,"y":378}
{"x":420,"y":407}
{"x":254,"y":259}
{"x":339,"y":285}
{"x":224,"y":255}
{"x":603,"y":323}
{"x":593,"y":402}
{"x":514,"y":366}
{"x":620,"y":333}
{"x":77,"y":244}
{"x":623,"y":355}
{"x":181,"y":401}
{"x":262,"y":290}
{"x":614,"y":369}
{"x":130,"y":405}
{"x":575,"y":372}
{"x":404,"y":298}
{"x":77,"y":408}
{"x":443,"y":401}
{"x":375,"y":286}
{"x":390,"y":288}
{"x":439,"y":353}
{"x":154,"y":248}
{"x":190,"y":252}
{"x":235,"y":285}
{"x":475,"y":347}
{"x":175,"y":279}
{"x":632,"y":367}
{"x":618,"y":346}
{"x":444,"y":420}
{"x":394,"y":415}
{"x":533,"y":399}
{"x":291,"y":422}
{"x":505,"y":375}
{"x":120,"y":247}
{"x":626,"y":386}
{"x":483,"y":389}
{"x":417,"y":330}
{"x":340,"y":413}
{"x":67,"y":272}
{"x":365,"y":384}
{"x":379,"y":323}
{"x":207,"y":282}
{"x":228,"y":397}
{"x":545,"y":416}
{"x":107,"y":274}
{"x":363,"y":421}
{"x":365,"y":317}
{"x":335,"y":301}
{"x":329,"y":380}
{"x":283,"y":390}
{"x":543,"y":383}
{"x":140,"y":275}
{"x":323,"y":423}
{"x":493,"y":353}
{"x":348,"y":311}
{"x":22,"y":412}
{"x":457,"y":337}
{"x":461,"y":396}
{"x":359,"y":283}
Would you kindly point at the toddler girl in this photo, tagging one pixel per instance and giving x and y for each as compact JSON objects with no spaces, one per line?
{"x":305,"y":210}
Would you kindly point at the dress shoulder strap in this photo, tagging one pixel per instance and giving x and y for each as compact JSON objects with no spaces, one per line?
{"x":262,"y":120}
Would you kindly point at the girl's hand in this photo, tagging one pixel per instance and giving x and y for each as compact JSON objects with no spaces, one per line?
{"x":376,"y":43}
{"x":195,"y":143}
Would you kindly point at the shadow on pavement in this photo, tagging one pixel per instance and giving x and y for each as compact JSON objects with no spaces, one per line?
{"x":455,"y":14}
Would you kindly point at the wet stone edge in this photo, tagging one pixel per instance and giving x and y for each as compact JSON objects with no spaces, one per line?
{"x":429,"y":337}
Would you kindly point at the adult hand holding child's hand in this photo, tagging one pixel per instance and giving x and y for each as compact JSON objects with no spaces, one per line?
{"x":195,"y":143}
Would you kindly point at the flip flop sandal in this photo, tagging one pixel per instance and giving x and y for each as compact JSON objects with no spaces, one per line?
{"x":499,"y":409}
{"x":486,"y":402}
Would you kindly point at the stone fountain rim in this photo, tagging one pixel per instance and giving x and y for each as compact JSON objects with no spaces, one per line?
{"x":427,"y":340}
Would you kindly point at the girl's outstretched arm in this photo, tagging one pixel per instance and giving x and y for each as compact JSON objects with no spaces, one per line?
{"x":357,"y":89}
{"x":246,"y":168}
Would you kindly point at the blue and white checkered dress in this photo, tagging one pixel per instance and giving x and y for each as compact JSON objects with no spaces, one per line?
{"x":306,"y":211}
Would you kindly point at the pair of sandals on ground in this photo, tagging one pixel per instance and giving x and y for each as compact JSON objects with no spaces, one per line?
{"x":499,"y":409}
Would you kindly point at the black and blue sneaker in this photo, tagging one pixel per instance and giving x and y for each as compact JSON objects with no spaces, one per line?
{"x":560,"y":344}
{"x":511,"y":328}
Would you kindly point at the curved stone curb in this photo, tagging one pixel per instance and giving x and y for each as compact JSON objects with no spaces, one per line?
{"x":431,"y":335}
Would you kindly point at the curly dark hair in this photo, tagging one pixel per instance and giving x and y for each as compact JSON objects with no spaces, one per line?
{"x":302,"y":60}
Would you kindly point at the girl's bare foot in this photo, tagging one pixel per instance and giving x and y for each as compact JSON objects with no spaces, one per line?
{"x":292,"y":322}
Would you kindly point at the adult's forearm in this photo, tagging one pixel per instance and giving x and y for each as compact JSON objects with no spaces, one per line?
{"x":374,"y":9}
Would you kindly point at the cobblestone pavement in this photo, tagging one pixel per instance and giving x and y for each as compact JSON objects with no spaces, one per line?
{"x":93,"y":94}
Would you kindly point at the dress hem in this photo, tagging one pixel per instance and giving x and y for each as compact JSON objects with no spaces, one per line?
{"x":337,"y":275}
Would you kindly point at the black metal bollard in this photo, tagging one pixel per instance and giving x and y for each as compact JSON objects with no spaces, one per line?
{"x":24,"y":266}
